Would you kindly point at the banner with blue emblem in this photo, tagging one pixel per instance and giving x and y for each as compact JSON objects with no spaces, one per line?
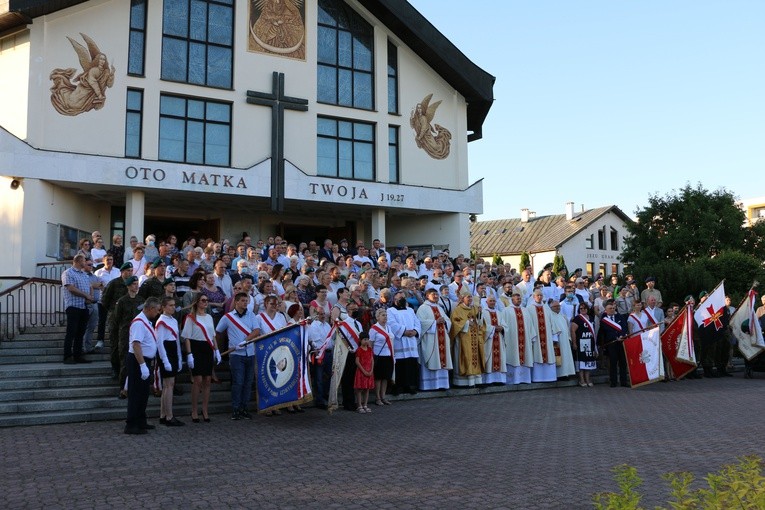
{"x":281,"y":368}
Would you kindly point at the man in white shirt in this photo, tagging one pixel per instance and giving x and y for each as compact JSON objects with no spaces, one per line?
{"x":105,"y":274}
{"x":322,"y":345}
{"x":222,"y":279}
{"x":141,"y":352}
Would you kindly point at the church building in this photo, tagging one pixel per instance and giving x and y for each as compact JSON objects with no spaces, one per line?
{"x":210,"y":118}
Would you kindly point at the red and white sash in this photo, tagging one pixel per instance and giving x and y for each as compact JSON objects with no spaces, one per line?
{"x":611,"y":324}
{"x":238,"y":325}
{"x":587,"y":324}
{"x":163,"y":324}
{"x":193,"y":319}
{"x":350,"y":335}
{"x":521,"y":325}
{"x":650,"y":316}
{"x":318,"y":357}
{"x":387,"y":338}
{"x":151,"y":330}
{"x":635,"y":318}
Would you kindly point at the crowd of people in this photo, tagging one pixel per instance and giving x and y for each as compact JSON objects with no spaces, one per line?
{"x":408,"y":321}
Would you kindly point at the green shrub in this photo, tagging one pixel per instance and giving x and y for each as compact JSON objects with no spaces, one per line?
{"x":739,"y":486}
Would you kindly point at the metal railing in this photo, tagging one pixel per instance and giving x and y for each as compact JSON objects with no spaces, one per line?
{"x":32,"y":302}
{"x":52,"y":270}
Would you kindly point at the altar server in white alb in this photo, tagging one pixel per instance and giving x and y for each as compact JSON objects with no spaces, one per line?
{"x":434,"y":345}
{"x":169,"y":350}
{"x":141,"y":353}
{"x":495,"y":366}
{"x":406,"y":329}
{"x":519,"y":333}
{"x":543,"y":333}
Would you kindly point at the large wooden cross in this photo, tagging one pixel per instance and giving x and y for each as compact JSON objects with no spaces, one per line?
{"x":278,"y":102}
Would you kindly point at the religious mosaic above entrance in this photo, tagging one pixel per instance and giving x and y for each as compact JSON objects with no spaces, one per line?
{"x":277,"y":27}
{"x":73,"y":93}
{"x":432,"y":138}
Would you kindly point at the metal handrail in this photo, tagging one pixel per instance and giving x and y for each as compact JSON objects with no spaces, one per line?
{"x":52,"y":270}
{"x":30,"y":303}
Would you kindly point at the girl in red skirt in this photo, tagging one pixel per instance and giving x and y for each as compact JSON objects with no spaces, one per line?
{"x":365,"y":379}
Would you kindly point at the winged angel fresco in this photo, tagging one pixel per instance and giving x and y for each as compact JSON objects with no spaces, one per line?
{"x":433,"y":139}
{"x":72,"y":93}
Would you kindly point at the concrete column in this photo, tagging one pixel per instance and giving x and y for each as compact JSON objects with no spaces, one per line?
{"x":134,"y":213}
{"x":378,"y":225}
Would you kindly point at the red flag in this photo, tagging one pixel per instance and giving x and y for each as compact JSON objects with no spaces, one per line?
{"x":678,"y":334}
{"x":644,"y":362}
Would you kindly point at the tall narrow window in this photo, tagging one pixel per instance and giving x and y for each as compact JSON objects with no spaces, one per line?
{"x":590,"y":268}
{"x":602,"y":239}
{"x":345,"y":52}
{"x":137,"y":42}
{"x":345,"y":149}
{"x":392,"y":78}
{"x":393,"y":174}
{"x":133,"y":123}
{"x":194,"y":131}
{"x":589,"y":241}
{"x":198,"y":42}
{"x":614,"y":239}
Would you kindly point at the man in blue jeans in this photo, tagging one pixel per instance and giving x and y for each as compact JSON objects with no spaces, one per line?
{"x":77,"y":296}
{"x":240,"y":325}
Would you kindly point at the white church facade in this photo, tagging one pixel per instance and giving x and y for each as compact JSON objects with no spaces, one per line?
{"x":307,"y":119}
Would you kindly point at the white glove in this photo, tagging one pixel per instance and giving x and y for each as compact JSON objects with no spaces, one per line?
{"x":168,"y":366}
{"x":217,"y":357}
{"x":144,"y":371}
{"x":190,"y":360}
{"x":241,"y":345}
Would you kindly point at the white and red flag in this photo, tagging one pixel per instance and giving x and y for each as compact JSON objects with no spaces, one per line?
{"x":710,"y":312}
{"x":746,"y":328}
{"x":677,"y":343}
{"x":644,"y":361}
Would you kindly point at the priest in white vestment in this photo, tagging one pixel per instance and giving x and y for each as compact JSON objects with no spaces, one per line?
{"x":519,"y":352}
{"x":563,"y":343}
{"x":434,"y":343}
{"x":495,"y":365}
{"x":543,"y":333}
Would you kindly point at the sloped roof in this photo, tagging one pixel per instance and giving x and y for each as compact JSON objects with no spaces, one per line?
{"x":475,"y":84}
{"x":539,"y":234}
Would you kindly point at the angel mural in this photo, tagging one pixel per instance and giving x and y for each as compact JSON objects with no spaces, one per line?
{"x":433,"y":139}
{"x":277,"y":27}
{"x":72,"y":93}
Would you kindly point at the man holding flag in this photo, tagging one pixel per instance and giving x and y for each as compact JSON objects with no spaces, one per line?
{"x":612,"y":332}
{"x":746,"y":327}
{"x":712,"y":317}
{"x":240,"y":325}
{"x":321,"y":337}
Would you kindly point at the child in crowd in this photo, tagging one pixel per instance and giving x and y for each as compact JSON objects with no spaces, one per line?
{"x":364,"y":380}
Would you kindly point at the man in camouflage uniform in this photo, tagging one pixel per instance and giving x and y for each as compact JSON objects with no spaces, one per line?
{"x":125,"y":311}
{"x":113,"y":292}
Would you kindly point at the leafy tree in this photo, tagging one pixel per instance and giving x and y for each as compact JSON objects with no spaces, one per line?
{"x":693,"y":223}
{"x":525,"y":260}
{"x":497,"y":260}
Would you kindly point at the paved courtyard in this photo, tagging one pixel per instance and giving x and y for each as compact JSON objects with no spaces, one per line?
{"x":527,"y":449}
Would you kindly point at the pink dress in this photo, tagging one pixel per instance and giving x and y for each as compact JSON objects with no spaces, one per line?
{"x":361,"y":381}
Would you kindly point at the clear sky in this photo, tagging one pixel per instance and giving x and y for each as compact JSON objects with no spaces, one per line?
{"x":605,"y":102}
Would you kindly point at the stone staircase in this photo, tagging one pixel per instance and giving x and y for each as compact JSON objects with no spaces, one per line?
{"x":37,"y":388}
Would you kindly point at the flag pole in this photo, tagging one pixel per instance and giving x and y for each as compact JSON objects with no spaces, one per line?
{"x":709,"y":294}
{"x":258,"y":338}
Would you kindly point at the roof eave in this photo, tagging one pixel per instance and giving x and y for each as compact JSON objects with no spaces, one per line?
{"x":475,"y":84}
